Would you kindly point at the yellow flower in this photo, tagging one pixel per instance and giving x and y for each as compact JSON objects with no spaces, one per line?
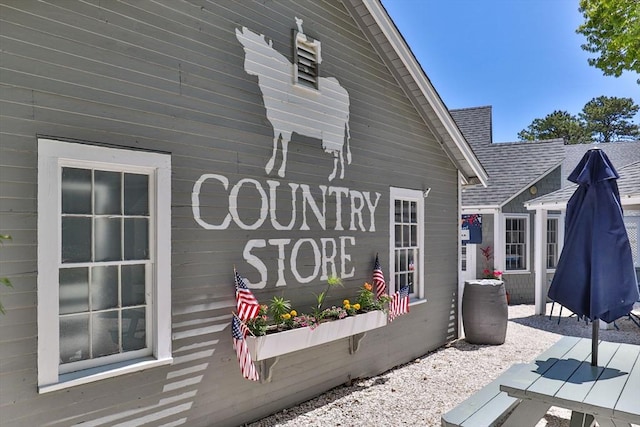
{"x":356,"y":306}
{"x":347,"y":306}
{"x":294,"y":313}
{"x":368,"y":286}
{"x":286,"y":316}
{"x":345,"y":302}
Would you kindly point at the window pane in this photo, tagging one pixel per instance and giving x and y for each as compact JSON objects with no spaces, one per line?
{"x":105,"y":333}
{"x":136,"y":194}
{"x":398,"y":236}
{"x":74,"y":338}
{"x":76,"y":239}
{"x":76,"y":191}
{"x":414,"y":236}
{"x":133,"y":285}
{"x":136,"y":238}
{"x":74,"y":290}
{"x":104,"y":287}
{"x":134,"y":333}
{"x":402,"y":266}
{"x":108,"y":239}
{"x":398,"y":210}
{"x":405,"y":235}
{"x":107,"y":193}
{"x":414,"y":210}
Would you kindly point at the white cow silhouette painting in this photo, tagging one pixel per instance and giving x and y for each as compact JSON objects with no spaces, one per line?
{"x":321,"y":114}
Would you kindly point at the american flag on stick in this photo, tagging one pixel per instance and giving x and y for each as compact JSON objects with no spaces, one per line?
{"x":378,"y":279}
{"x":239,"y":331}
{"x":246,"y":303}
{"x":399,"y":304}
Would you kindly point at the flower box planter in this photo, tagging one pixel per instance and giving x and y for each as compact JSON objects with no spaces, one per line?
{"x":274,"y":345}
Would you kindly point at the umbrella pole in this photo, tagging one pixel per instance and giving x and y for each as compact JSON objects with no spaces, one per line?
{"x":595,"y":327}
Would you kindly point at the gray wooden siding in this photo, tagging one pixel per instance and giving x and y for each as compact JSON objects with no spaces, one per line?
{"x":168,"y":76}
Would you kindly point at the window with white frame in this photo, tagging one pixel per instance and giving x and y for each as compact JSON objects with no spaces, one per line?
{"x":103,"y":262}
{"x":407,"y":241}
{"x":553,"y":236}
{"x":516,"y":242}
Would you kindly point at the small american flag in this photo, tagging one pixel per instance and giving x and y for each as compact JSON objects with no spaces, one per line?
{"x":399,"y":304}
{"x":246,"y":303}
{"x":378,"y":279}
{"x":239,"y":331}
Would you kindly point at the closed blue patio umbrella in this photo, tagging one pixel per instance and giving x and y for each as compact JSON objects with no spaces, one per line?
{"x":595,"y":277}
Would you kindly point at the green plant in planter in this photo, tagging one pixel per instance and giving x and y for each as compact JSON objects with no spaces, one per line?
{"x":279,"y":316}
{"x":278,"y":307}
{"x":259,"y":325}
{"x":332,"y":281}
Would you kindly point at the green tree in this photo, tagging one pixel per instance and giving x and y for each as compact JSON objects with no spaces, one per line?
{"x":609,"y":119}
{"x":559,"y":124}
{"x":612,"y":30}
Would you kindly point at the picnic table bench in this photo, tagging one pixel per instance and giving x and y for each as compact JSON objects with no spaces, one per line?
{"x":486,"y":408}
{"x":490,"y":406}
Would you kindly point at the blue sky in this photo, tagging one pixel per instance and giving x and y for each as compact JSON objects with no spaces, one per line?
{"x":522,"y":57}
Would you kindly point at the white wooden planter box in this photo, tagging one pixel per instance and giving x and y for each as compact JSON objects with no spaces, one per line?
{"x":273,"y":345}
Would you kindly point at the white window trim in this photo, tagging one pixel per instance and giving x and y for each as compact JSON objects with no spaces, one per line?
{"x":560,"y":237}
{"x":51,"y":155}
{"x":527,"y":226}
{"x":417,"y":196}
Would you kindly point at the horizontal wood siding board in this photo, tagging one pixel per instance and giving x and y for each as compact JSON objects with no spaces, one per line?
{"x":168,"y":76}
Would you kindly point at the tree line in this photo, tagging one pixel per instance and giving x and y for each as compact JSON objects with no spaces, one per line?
{"x":603,"y":119}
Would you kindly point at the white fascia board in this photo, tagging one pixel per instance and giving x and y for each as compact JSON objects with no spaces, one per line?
{"x":396,"y":40}
{"x":480,"y":209}
{"x":547,"y":206}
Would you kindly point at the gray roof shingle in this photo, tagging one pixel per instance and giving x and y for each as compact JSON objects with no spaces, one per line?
{"x":628,"y":185}
{"x":512,"y":166}
{"x":620,"y":153}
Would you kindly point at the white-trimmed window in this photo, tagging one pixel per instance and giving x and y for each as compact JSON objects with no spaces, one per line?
{"x":407,"y":241}
{"x":553,"y":242}
{"x":104,"y":256}
{"x":516,"y":242}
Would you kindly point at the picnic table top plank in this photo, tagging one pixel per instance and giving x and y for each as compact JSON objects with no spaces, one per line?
{"x":582,"y":380}
{"x":549,"y":382}
{"x":556,"y":351}
{"x":628,"y":405}
{"x":609,"y":391}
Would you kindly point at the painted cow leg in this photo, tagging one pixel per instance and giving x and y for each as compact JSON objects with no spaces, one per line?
{"x":285,"y":144}
{"x":269,"y":166}
{"x":335,"y":168}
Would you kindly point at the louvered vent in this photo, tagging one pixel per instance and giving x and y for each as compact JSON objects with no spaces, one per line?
{"x":307,"y":60}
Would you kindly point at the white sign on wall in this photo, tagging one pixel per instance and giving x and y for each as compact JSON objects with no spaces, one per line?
{"x":322,"y":114}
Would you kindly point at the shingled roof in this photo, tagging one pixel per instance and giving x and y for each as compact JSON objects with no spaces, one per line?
{"x":512,"y":166}
{"x":620,"y":154}
{"x":628,"y":186}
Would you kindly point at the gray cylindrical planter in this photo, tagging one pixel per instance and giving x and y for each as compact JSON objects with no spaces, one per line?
{"x":484,"y":311}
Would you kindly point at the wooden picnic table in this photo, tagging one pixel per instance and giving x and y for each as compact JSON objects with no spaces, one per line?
{"x":563,"y":377}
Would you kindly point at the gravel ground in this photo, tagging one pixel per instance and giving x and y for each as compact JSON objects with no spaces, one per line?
{"x":419,"y":392}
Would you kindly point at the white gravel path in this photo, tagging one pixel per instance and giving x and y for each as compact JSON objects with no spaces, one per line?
{"x":418,"y":393}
